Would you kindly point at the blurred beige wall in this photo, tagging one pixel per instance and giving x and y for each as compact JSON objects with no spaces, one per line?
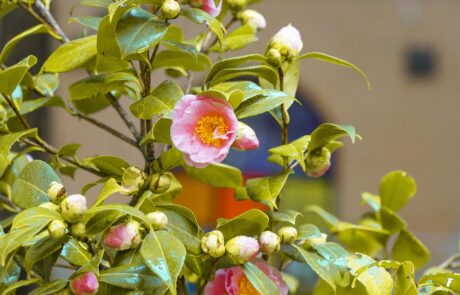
{"x":406,"y":124}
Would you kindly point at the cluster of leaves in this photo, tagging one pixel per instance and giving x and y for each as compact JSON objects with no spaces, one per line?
{"x":120,"y":51}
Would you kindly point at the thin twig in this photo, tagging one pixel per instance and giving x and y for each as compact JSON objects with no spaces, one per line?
{"x":17,"y":112}
{"x":124,"y":116}
{"x":449,"y":261}
{"x":50,"y":20}
{"x":206,"y":48}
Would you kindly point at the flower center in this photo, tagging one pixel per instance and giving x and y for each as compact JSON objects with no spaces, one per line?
{"x":246,"y":288}
{"x":210,"y":130}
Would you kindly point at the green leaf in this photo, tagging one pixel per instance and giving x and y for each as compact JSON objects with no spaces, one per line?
{"x":108,"y":165}
{"x":127,"y":277}
{"x":71,"y":55}
{"x":326,"y":133}
{"x":288,"y":216}
{"x":13,"y":42}
{"x":110,"y":187}
{"x":164,"y":254}
{"x":267,"y":189}
{"x":91,"y":22}
{"x":6,"y":142}
{"x":35,"y":217}
{"x":138,"y":30}
{"x":263,"y":101}
{"x":168,"y":160}
{"x":12,"y":76}
{"x":372,"y":200}
{"x":12,"y":289}
{"x":266,"y":72}
{"x":216,"y":174}
{"x":375,"y":279}
{"x":40,"y":250}
{"x":159,"y":133}
{"x":396,"y":188}
{"x":250,"y":223}
{"x":234,"y":62}
{"x":201,"y":17}
{"x":121,"y":208}
{"x":404,"y":282}
{"x":238,"y":39}
{"x":50,"y":288}
{"x":46,"y":84}
{"x":334,"y":60}
{"x":76,"y":252}
{"x":293,"y":151}
{"x":31,"y":187}
{"x":451,"y":281}
{"x":391,"y":220}
{"x":408,"y":247}
{"x":175,"y":58}
{"x":259,"y":280}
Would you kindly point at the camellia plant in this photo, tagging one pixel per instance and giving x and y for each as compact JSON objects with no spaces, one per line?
{"x":150,"y":245}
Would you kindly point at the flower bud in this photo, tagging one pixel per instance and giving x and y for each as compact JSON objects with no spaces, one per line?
{"x":160,"y":183}
{"x":170,"y":9}
{"x":274,"y":57}
{"x":237,"y":5}
{"x":123,"y":236}
{"x":84,"y":284}
{"x":133,"y":179}
{"x":318,"y":162}
{"x":253,"y":18}
{"x":318,"y":240}
{"x":78,"y":230}
{"x":57,"y":228}
{"x":56,"y":192}
{"x":50,"y":206}
{"x":241,"y":249}
{"x":288,"y":41}
{"x":269,"y":242}
{"x":246,"y":138}
{"x":73,"y":207}
{"x":208,"y":5}
{"x":157,"y":219}
{"x":288,"y":234}
{"x":213,"y":244}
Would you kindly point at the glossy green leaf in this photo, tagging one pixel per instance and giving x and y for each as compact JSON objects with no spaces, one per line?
{"x":408,"y":247}
{"x":288,"y":216}
{"x":175,"y":58}
{"x":133,"y":277}
{"x":263,"y":101}
{"x":263,"y":71}
{"x":259,"y":280}
{"x":325,"y":133}
{"x":91,"y":22}
{"x":164,"y":254}
{"x":216,"y":174}
{"x":50,"y":288}
{"x":76,"y":252}
{"x":121,"y":208}
{"x":12,"y":289}
{"x":450,"y":281}
{"x":233,"y":62}
{"x":6,"y":142}
{"x":250,"y":223}
{"x":12,"y":76}
{"x":31,"y":186}
{"x":46,"y":84}
{"x":110,"y":187}
{"x":138,"y":30}
{"x":396,"y":188}
{"x":159,"y":133}
{"x":71,"y":55}
{"x":266,"y":189}
{"x":201,"y":17}
{"x":375,"y":279}
{"x":237,"y":39}
{"x":40,"y":250}
{"x":108,"y":165}
{"x":404,"y":282}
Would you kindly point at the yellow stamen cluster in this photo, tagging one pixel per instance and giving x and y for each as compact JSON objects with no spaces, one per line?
{"x":208,"y":126}
{"x":246,"y":288}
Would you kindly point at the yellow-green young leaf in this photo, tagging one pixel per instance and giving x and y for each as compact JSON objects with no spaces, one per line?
{"x":110,"y":187}
{"x":6,"y":142}
{"x":138,"y":30}
{"x":176,"y":58}
{"x":448,"y":281}
{"x":216,"y":174}
{"x":91,"y":22}
{"x":76,"y":252}
{"x":42,"y":249}
{"x":267,"y":189}
{"x":34,"y":217}
{"x":50,"y":288}
{"x":168,"y":160}
{"x":408,"y":248}
{"x":239,"y":38}
{"x":108,"y":165}
{"x":165,"y":255}
{"x":396,"y":188}
{"x":201,"y":17}
{"x":160,"y":132}
{"x":266,"y":72}
{"x":375,"y":279}
{"x":250,"y":223}
{"x":372,"y":200}
{"x":259,"y":280}
{"x":13,"y":42}
{"x":121,"y":208}
{"x":136,"y":277}
{"x":12,"y":76}
{"x":288,"y":216}
{"x":12,"y":288}
{"x":334,"y":60}
{"x":46,"y":84}
{"x":71,"y":55}
{"x":404,"y":282}
{"x":261,"y":101}
{"x":391,"y":220}
{"x":234,"y":62}
{"x":326,"y":133}
{"x":31,"y":187}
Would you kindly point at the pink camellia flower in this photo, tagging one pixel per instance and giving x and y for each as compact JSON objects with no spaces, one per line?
{"x":209,"y":6}
{"x":288,"y":38}
{"x":85,"y":284}
{"x":123,"y":236}
{"x":203,"y":129}
{"x":246,"y":139}
{"x":233,"y":281}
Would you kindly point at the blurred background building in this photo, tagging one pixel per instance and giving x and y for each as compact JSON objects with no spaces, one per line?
{"x":410,"y":50}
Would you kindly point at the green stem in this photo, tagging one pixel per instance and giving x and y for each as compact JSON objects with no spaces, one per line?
{"x":284,"y":130}
{"x":212,"y":270}
{"x":16,"y":111}
{"x":206,"y":48}
{"x":449,"y":261}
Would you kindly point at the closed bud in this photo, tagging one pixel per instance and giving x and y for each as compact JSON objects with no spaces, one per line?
{"x":269,"y":242}
{"x":242,"y":249}
{"x":157,"y":219}
{"x":237,"y":5}
{"x":84,"y":284}
{"x":51,"y":206}
{"x":274,"y":57}
{"x":170,"y":9}
{"x":57,"y":228}
{"x":288,"y":41}
{"x":213,"y":243}
{"x":160,"y":183}
{"x":73,"y":207}
{"x":318,"y":240}
{"x":123,"y":236}
{"x":288,"y":234}
{"x":208,"y":5}
{"x":318,"y":162}
{"x":56,"y":192}
{"x":253,"y":18}
{"x":133,"y":179}
{"x":246,"y":138}
{"x":78,"y":230}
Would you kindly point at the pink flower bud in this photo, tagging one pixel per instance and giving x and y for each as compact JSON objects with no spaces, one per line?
{"x":241,"y":249}
{"x":73,"y":207}
{"x":318,"y":162}
{"x":269,"y":242}
{"x":208,"y":5}
{"x":246,"y":138}
{"x":85,"y":284}
{"x":123,"y":236}
{"x":288,"y":41}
